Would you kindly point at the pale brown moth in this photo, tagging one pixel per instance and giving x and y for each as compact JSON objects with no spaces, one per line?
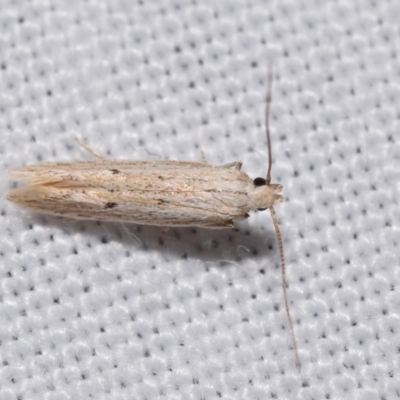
{"x":163,"y":193}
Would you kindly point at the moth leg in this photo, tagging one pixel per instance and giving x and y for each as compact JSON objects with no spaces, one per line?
{"x":89,"y":149}
{"x":163,"y":232}
{"x":67,"y":220}
{"x":203,"y":157}
{"x":220,"y":225}
{"x":237,"y":165}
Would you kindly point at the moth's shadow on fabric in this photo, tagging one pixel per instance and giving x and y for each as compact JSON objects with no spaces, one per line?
{"x":210,"y":245}
{"x":216,"y":245}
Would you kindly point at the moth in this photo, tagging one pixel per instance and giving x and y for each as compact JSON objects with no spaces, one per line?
{"x":163,"y":193}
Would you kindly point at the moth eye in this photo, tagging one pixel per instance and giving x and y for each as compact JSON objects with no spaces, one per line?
{"x":260,"y":182}
{"x":261,"y":209}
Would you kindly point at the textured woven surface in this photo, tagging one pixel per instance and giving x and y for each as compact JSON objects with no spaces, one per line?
{"x":101,"y":311}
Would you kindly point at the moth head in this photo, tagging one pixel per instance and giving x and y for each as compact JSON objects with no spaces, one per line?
{"x":264,"y":195}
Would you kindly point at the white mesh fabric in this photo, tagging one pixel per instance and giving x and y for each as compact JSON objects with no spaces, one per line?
{"x":95,"y":310}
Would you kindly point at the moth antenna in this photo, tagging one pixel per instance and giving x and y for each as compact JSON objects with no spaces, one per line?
{"x":267,"y":107}
{"x":284,"y":285}
{"x":275,"y":220}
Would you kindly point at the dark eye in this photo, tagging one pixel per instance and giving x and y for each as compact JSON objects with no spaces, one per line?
{"x":260,"y":182}
{"x":261,"y":209}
